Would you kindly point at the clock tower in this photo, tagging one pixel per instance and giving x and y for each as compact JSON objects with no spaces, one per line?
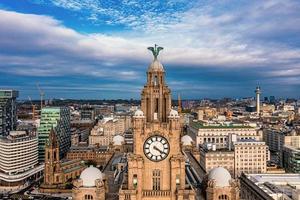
{"x":156,"y":168}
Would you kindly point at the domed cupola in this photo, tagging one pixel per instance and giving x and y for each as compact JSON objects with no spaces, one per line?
{"x":90,"y":175}
{"x":221,"y":177}
{"x":138,"y":114}
{"x":186,"y":140}
{"x":173,"y":114}
{"x":118,"y":140}
{"x":156,"y":66}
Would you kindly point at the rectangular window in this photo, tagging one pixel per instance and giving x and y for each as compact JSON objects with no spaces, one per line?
{"x":156,"y":179}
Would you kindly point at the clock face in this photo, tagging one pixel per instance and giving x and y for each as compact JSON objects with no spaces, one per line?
{"x":156,"y":148}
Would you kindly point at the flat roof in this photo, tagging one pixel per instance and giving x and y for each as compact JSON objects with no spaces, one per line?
{"x":274,"y":184}
{"x":275,"y":178}
{"x":201,"y":125}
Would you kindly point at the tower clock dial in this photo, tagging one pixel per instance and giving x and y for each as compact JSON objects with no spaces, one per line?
{"x":156,"y":148}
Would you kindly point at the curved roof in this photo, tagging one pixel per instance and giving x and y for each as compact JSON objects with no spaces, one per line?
{"x":156,"y":66}
{"x":138,"y":113}
{"x":173,"y":114}
{"x":118,"y":140}
{"x":90,"y":175}
{"x":221,"y":176}
{"x":186,"y":140}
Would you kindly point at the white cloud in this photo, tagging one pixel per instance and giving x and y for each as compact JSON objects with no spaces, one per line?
{"x":193,"y":37}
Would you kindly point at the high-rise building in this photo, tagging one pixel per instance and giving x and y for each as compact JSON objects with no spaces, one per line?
{"x":57,"y":118}
{"x":8,"y":111}
{"x":156,"y":168}
{"x":18,"y":160}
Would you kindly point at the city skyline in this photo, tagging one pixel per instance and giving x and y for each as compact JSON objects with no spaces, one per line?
{"x":94,"y":50}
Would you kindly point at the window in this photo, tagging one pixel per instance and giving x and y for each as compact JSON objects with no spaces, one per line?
{"x":223,"y":197}
{"x":155,"y":80}
{"x":88,"y":197}
{"x":156,"y":179}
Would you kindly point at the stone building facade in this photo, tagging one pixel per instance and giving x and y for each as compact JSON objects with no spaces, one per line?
{"x":58,"y":172}
{"x":220,"y":186}
{"x":90,"y":185}
{"x":99,"y":155}
{"x":103,"y":132}
{"x":156,"y":168}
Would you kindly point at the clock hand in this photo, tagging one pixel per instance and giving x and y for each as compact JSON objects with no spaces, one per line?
{"x":157,"y":149}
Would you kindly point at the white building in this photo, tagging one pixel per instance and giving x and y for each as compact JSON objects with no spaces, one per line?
{"x":103,"y":132}
{"x":270,"y":186}
{"x":219,"y":134}
{"x":250,"y":156}
{"x":18,"y":160}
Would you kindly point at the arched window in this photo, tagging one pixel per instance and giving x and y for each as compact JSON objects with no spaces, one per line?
{"x":88,"y":197}
{"x":155,"y":80}
{"x":223,"y":197}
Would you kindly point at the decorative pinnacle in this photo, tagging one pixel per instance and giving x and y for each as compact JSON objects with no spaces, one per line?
{"x":155,"y":50}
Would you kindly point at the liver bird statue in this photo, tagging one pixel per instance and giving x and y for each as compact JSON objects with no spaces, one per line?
{"x":155,"y":50}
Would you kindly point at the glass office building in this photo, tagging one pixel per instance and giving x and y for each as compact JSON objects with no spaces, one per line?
{"x":8,"y":111}
{"x":57,"y":118}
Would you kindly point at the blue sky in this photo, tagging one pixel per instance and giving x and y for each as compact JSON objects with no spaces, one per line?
{"x":97,"y":49}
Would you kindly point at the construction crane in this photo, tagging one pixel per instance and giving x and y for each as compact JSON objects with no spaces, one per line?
{"x":42,"y":94}
{"x":33,"y":108}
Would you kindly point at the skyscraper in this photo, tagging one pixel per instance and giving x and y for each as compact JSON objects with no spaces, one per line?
{"x":8,"y":111}
{"x":57,"y":118}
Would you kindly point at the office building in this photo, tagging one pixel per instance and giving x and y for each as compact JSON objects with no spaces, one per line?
{"x":87,"y":113}
{"x":291,"y":158}
{"x":18,"y":160}
{"x":219,"y":134}
{"x":211,"y":158}
{"x":59,"y":119}
{"x":250,"y":156}
{"x":8,"y":111}
{"x":276,"y":139}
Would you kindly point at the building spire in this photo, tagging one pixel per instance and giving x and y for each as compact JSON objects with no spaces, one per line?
{"x":179,"y":104}
{"x":52,"y":142}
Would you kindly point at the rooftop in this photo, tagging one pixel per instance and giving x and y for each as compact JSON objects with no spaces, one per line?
{"x":273,"y":184}
{"x":202,"y":125}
